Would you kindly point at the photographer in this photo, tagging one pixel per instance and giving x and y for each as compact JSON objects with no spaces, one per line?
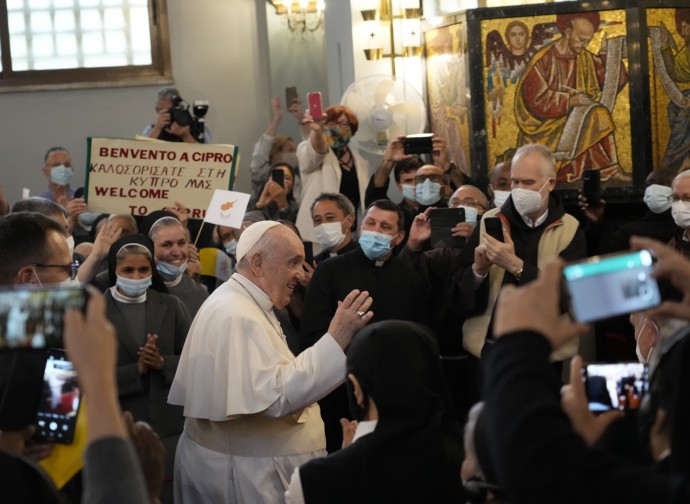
{"x":174,"y":123}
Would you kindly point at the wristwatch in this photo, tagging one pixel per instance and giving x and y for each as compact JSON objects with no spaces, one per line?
{"x":518,"y":273}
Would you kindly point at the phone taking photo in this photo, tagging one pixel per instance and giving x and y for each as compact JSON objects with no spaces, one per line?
{"x":315,"y":106}
{"x":290,"y":96}
{"x":32,"y":317}
{"x":442,"y":221}
{"x":421,"y":143}
{"x":606,"y":286}
{"x":278,"y":176}
{"x":615,"y":386}
{"x":494,"y":227}
{"x":56,"y":419}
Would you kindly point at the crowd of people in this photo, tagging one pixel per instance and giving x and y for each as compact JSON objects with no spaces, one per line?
{"x":338,"y":353}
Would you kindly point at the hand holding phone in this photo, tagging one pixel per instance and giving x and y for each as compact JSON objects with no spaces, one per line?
{"x":418,"y":144}
{"x":616,"y":386}
{"x":315,"y":106}
{"x":278,"y":176}
{"x":494,"y":228}
{"x":606,"y":286}
{"x":591,"y":187}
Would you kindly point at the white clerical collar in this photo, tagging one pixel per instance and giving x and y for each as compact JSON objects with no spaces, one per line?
{"x":538,"y":222}
{"x":259,"y":296}
{"x":118,"y":296}
{"x":175,"y":282}
{"x":363,"y":428}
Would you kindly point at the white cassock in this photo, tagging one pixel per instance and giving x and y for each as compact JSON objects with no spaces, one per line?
{"x":249,"y":403}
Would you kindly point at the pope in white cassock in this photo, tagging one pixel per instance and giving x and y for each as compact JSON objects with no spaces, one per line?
{"x":249,"y":403}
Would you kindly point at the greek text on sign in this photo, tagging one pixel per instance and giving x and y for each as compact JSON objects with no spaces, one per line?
{"x":138,"y":177}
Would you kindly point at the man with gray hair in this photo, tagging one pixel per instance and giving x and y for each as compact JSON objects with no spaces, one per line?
{"x":249,"y":403}
{"x":165,"y":128}
{"x":535,"y":229}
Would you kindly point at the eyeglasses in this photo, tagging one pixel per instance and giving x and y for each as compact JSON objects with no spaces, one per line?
{"x":70,"y":269}
{"x":471,"y":202}
{"x":419,"y":179}
{"x":676,"y":199}
{"x":341,"y":124}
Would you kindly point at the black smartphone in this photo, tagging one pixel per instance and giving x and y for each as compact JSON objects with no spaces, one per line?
{"x":418,"y":144}
{"x":278,"y":176}
{"x":616,"y":386}
{"x":494,"y":227}
{"x":32,"y":317}
{"x":58,"y":407}
{"x":591,"y":187}
{"x":442,"y":221}
{"x":606,"y":286}
{"x":308,"y":253}
{"x":290,"y":96}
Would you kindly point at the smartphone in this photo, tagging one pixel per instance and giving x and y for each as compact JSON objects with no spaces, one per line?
{"x":617,"y":386}
{"x":290,"y":96}
{"x":442,"y":221}
{"x":591,"y":187}
{"x":56,"y":418}
{"x":278,"y":176}
{"x":315,"y":106}
{"x":418,"y":144}
{"x":308,"y":253}
{"x":32,"y":317}
{"x":605,"y":286}
{"x":494,"y":227}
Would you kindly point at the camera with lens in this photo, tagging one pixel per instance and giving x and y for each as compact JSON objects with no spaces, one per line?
{"x":180,"y":114}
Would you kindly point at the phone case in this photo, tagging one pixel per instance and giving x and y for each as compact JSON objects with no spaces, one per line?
{"x":494,"y":227}
{"x":315,"y":106}
{"x":442,"y":221}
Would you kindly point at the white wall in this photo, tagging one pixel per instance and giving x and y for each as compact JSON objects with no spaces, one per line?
{"x":215,"y":55}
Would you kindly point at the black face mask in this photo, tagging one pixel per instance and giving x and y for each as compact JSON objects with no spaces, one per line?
{"x":356,"y":410}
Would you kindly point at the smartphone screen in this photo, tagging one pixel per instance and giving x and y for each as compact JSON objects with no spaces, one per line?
{"x":315,"y":106}
{"x":606,"y":286}
{"x":618,"y":386}
{"x":278,"y":177}
{"x":32,"y":317}
{"x":59,"y":405}
{"x":494,"y":227}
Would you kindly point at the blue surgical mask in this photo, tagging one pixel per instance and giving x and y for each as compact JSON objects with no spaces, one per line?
{"x":374,"y":245}
{"x":231,"y":247}
{"x":170,"y":272}
{"x":409,"y":192}
{"x":133,"y":287}
{"x":61,"y":175}
{"x":470,"y":214}
{"x":428,"y":192}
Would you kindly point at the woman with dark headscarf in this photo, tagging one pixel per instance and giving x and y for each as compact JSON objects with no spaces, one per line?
{"x":408,"y":446}
{"x":151,"y":330}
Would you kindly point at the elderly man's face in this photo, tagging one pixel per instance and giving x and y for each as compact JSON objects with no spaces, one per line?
{"x":529,"y":173}
{"x":579,"y":35}
{"x":57,"y":158}
{"x":470,"y":197}
{"x":281,"y":268}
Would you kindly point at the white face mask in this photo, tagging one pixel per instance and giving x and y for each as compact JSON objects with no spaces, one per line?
{"x":329,"y":234}
{"x":70,"y":244}
{"x":681,"y":213}
{"x":500,"y":197}
{"x":656,"y":197}
{"x":527,"y":201}
{"x":470,"y":214}
{"x":231,"y":247}
{"x":409,"y":191}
